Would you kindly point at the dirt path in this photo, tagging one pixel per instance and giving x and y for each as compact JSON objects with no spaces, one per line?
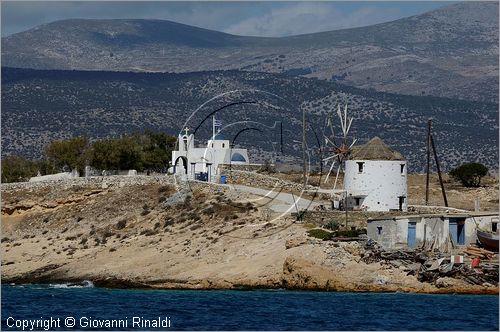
{"x":280,"y":202}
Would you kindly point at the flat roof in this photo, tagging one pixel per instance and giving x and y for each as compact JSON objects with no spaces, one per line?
{"x":437,"y":215}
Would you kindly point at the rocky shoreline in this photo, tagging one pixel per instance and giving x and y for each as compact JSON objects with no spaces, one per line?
{"x":147,"y":233}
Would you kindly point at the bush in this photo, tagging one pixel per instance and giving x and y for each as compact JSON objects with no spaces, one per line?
{"x":320,"y":234}
{"x":267,"y":167}
{"x":332,"y":225}
{"x":121,"y":224}
{"x":469,"y":174}
{"x":17,"y":169}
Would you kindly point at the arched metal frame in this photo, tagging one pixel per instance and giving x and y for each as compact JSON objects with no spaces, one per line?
{"x":184,"y":159}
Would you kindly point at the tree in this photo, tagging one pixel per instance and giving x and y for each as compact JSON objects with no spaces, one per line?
{"x":68,"y":153}
{"x":469,"y":174}
{"x":17,"y":169}
{"x":157,"y":149}
{"x":117,"y":154}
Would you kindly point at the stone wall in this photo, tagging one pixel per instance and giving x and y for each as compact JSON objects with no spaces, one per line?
{"x":254,"y":179}
{"x":104,"y":182}
{"x":55,"y":177}
{"x":241,"y":167}
{"x":357,"y":219}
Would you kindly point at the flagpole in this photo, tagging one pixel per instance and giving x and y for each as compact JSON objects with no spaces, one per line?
{"x":213,"y":127}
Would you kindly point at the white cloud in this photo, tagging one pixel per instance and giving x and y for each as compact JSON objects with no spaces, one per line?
{"x":300,"y":18}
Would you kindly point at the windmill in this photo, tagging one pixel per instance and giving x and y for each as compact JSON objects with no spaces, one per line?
{"x":338,"y":147}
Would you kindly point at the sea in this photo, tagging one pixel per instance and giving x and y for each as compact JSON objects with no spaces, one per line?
{"x":84,"y":307}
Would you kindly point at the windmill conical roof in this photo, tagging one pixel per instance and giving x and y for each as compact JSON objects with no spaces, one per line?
{"x":375,"y":149}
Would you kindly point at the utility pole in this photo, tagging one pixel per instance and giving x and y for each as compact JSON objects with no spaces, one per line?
{"x":428,"y":161}
{"x":430,"y":144}
{"x":439,"y":172}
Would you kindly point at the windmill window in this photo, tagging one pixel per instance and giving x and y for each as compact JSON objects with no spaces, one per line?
{"x":360,"y":167}
{"x":379,"y":230}
{"x":494,"y":227}
{"x":212,"y":144}
{"x":223,"y":145}
{"x":401,"y":202}
{"x":357,"y":200}
{"x":402,"y":168}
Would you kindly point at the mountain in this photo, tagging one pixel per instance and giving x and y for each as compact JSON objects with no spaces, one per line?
{"x":449,"y":52}
{"x":39,"y":106}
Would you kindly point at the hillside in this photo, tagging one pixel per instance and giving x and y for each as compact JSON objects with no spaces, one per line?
{"x":448,"y":52}
{"x":40,"y":106}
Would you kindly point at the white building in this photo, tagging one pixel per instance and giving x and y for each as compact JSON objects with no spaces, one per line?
{"x":375,"y":178}
{"x":202,"y":163}
{"x":430,"y":231}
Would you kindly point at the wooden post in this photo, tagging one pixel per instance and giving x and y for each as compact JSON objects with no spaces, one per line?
{"x":428,"y":162}
{"x":439,"y":171}
{"x":281,"y":137}
{"x":345,"y":208}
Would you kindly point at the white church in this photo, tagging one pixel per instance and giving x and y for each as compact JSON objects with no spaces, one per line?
{"x":202,"y":162}
{"x":375,"y":178}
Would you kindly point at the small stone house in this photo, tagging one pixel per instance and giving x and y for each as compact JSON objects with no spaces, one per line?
{"x":430,"y":231}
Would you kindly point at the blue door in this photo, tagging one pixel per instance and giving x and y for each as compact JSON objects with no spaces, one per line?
{"x":457,"y":230}
{"x":453,"y":230}
{"x":412,"y":234}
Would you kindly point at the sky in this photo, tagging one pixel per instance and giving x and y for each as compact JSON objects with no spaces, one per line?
{"x":254,"y":18}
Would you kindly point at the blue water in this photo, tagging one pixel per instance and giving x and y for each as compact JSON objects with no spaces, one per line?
{"x":254,"y":310}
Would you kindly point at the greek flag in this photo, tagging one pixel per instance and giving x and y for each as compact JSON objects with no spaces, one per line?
{"x":217,"y":123}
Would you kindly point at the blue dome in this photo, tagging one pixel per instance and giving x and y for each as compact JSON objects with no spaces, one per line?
{"x":238,"y":157}
{"x":219,"y":136}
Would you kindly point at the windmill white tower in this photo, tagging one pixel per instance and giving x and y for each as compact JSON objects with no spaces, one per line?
{"x":339,"y":148}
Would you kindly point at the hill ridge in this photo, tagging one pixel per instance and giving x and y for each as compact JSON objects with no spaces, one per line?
{"x":449,"y":52}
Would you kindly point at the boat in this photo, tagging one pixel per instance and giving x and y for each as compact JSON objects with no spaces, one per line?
{"x":488,"y":239}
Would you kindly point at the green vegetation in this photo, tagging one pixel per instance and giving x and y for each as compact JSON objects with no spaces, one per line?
{"x":332,"y":225}
{"x":326,"y":235}
{"x":15,"y":168}
{"x":469,"y":174}
{"x":134,"y":101}
{"x":320,"y":234}
{"x":67,"y":154}
{"x":142,"y":152}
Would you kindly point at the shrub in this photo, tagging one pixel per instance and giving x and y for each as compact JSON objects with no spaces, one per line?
{"x":332,"y":225}
{"x":121,"y":224}
{"x":469,"y":174}
{"x":320,"y":234}
{"x":163,"y":189}
{"x":17,"y":169}
{"x":149,"y":232}
{"x":168,"y":222}
{"x":267,"y":167}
